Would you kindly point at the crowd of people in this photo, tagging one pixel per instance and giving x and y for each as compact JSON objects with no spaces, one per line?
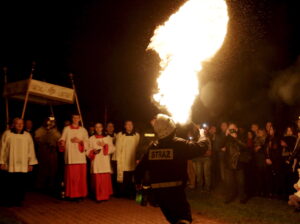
{"x":75,"y":162}
{"x":258,"y":161}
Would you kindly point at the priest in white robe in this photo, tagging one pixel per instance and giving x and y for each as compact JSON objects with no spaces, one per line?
{"x":126,"y":148}
{"x":17,"y":158}
{"x":73,"y":143}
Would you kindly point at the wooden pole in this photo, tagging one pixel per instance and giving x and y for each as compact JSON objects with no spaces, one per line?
{"x":27,"y":91}
{"x":105,"y":116}
{"x":76,"y":97}
{"x":6,"y":99}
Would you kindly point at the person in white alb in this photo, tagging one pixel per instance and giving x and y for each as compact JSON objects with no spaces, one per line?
{"x":17,"y":157}
{"x":73,"y":142}
{"x":100,"y":149}
{"x":110,"y":132}
{"x":126,"y":148}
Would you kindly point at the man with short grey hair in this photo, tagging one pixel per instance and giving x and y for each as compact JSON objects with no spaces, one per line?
{"x":17,"y":157}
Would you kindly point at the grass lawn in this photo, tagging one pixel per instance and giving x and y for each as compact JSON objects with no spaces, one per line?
{"x":255,"y":211}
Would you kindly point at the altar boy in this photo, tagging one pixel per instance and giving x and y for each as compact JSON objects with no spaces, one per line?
{"x":100,"y":148}
{"x":73,"y":143}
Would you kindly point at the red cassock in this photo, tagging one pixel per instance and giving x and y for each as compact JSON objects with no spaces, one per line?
{"x":75,"y":162}
{"x":101,"y":186}
{"x":75,"y":180}
{"x":100,"y":166}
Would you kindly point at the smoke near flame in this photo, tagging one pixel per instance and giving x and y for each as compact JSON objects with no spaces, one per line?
{"x":191,"y":36}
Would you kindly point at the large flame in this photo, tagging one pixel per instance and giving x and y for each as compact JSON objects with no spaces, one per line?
{"x":191,"y":36}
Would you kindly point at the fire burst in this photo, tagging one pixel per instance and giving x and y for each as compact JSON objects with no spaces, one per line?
{"x":191,"y":36}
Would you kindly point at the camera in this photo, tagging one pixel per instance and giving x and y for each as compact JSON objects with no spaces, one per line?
{"x":231,"y":131}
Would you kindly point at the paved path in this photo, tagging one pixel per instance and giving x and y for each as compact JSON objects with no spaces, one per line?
{"x":41,"y":209}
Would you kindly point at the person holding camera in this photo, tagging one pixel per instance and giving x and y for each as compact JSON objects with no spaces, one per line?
{"x":236,"y":155}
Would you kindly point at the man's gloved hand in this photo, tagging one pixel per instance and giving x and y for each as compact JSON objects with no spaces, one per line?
{"x":202,"y":135}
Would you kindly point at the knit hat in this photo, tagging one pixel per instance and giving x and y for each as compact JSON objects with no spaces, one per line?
{"x":163,"y":126}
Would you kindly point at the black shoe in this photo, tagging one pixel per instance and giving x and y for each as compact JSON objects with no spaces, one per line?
{"x":75,"y":199}
{"x":79,"y":199}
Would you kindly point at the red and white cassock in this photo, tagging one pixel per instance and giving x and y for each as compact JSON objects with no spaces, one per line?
{"x":74,"y":152}
{"x":75,"y":161}
{"x":101,"y":161}
{"x":17,"y":151}
{"x":126,"y":148}
{"x":100,"y":166}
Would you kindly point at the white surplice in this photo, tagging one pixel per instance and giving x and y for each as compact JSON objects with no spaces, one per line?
{"x":73,"y":154}
{"x":101,"y":162}
{"x":17,"y":151}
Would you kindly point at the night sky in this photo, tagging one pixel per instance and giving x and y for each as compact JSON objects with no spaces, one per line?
{"x":254,"y":77}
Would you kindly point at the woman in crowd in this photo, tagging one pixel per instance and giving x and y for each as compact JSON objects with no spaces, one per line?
{"x":100,"y":148}
{"x":274,"y":165}
{"x":250,"y":167}
{"x":268,"y":126}
{"x":260,"y":162}
{"x":203,"y":168}
{"x":287,"y":143}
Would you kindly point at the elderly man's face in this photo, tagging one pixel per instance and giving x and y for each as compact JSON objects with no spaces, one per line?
{"x":19,"y":124}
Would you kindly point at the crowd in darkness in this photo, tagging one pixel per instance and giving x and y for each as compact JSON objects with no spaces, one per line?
{"x":259,"y":161}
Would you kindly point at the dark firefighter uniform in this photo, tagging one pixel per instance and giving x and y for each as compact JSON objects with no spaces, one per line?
{"x":146,"y":140}
{"x":164,"y":168}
